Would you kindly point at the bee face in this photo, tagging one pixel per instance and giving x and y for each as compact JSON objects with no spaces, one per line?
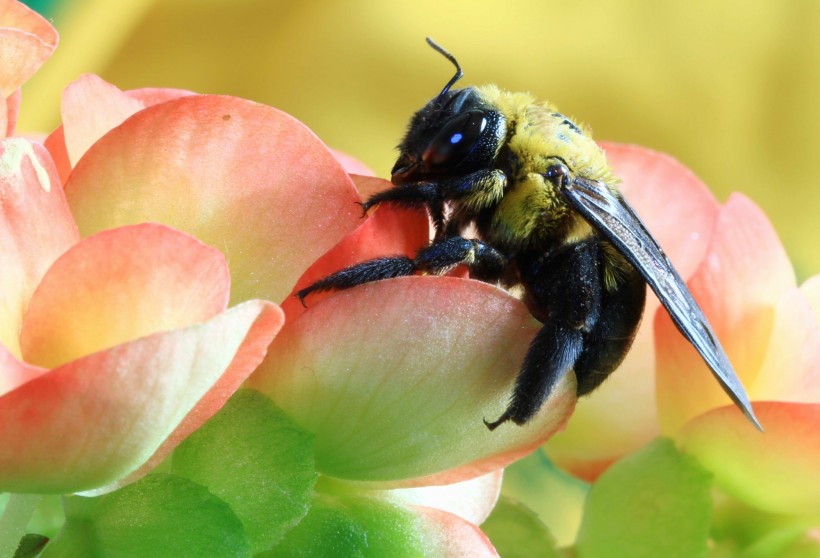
{"x":453,"y":135}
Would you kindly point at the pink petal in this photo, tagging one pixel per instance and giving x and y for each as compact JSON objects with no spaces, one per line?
{"x":14,"y":373}
{"x":674,"y":204}
{"x":449,"y":536}
{"x":386,"y":232}
{"x":247,"y":358}
{"x":351,"y":164}
{"x":778,"y":471}
{"x":811,"y":290}
{"x":90,"y":108}
{"x":395,"y":377}
{"x":472,"y":500}
{"x":119,"y":285}
{"x":149,"y":96}
{"x":621,"y":415}
{"x":35,"y":228}
{"x":790,"y":369}
{"x":242,"y":177}
{"x":741,"y":280}
{"x":26,"y":41}
{"x":9,"y":109}
{"x":55,"y":143}
{"x":97,"y":419}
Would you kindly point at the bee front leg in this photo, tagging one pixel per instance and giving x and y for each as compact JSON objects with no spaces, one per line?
{"x":484,"y":262}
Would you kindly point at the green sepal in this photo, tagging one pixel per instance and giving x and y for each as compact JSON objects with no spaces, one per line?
{"x":161,"y":516}
{"x":256,"y":459}
{"x":655,"y":502}
{"x":358,"y":527}
{"x":517,"y":532}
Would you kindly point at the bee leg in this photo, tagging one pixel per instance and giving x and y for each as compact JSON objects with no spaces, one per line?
{"x":484,"y":262}
{"x":607,"y":343}
{"x":551,"y":355}
{"x":568,"y":284}
{"x":360,"y":273}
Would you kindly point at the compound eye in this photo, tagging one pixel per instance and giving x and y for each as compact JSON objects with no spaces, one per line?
{"x":455,"y":140}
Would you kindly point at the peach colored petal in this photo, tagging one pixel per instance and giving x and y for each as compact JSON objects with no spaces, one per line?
{"x":90,"y":108}
{"x":790,"y":369}
{"x":680,"y":212}
{"x":351,"y":164}
{"x":395,"y":378}
{"x":119,"y":285}
{"x":741,"y":280}
{"x":9,"y":109}
{"x":778,"y":471}
{"x":26,"y":41}
{"x":811,"y":290}
{"x":472,"y":500}
{"x":35,"y":228}
{"x":242,"y":177}
{"x":97,"y":419}
{"x":149,"y":96}
{"x":247,"y":358}
{"x":55,"y":143}
{"x":449,"y":536}
{"x":14,"y":373}
{"x":5,"y":128}
{"x":676,"y":206}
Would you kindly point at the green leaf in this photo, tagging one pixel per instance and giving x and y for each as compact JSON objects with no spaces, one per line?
{"x":655,"y":502}
{"x":517,"y":532}
{"x":353,"y":527}
{"x":554,"y":496}
{"x":257,"y":460}
{"x":159,"y":516}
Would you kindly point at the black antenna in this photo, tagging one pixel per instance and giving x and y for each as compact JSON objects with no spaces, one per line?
{"x":451,"y":58}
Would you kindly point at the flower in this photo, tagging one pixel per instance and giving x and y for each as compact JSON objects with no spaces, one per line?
{"x":144,"y":242}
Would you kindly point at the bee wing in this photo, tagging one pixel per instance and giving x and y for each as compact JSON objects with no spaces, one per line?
{"x":617,"y":221}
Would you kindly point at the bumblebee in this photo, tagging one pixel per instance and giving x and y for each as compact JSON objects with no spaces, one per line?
{"x":544,"y":206}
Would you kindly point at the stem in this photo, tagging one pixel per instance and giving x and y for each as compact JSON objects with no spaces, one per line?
{"x":16,"y":516}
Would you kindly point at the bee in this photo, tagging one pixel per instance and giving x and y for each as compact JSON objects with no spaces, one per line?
{"x":548,"y":218}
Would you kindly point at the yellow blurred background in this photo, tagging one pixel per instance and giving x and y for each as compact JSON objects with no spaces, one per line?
{"x":729,"y":87}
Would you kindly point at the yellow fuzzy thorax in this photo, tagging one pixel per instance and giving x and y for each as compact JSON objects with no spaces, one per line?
{"x":538,"y":136}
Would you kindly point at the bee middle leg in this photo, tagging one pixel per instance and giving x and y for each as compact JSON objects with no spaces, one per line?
{"x":484,"y":262}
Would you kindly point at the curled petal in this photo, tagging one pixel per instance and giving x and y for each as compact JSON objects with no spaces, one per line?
{"x":778,"y":470}
{"x":35,"y":228}
{"x":395,"y":378}
{"x":122,"y":284}
{"x":680,"y":212}
{"x":472,"y":500}
{"x":739,"y":284}
{"x":449,"y":536}
{"x":239,"y":176}
{"x":26,"y":41}
{"x":97,"y":419}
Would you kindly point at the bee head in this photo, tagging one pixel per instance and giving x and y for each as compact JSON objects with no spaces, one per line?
{"x":454,"y":134}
